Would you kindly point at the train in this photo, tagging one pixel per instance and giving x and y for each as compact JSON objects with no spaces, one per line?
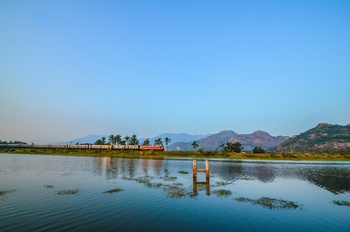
{"x":84,"y":146}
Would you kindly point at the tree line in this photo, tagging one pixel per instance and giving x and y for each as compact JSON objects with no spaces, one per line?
{"x":130,"y":140}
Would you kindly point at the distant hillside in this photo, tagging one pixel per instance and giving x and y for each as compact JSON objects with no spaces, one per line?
{"x":182,"y":137}
{"x":323,"y":137}
{"x":85,"y":139}
{"x":248,"y":141}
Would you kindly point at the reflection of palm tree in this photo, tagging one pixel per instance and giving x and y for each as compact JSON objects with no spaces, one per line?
{"x":167,"y":141}
{"x":194,"y":145}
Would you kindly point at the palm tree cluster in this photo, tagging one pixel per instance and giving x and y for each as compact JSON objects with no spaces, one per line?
{"x":130,"y":140}
{"x":118,"y":140}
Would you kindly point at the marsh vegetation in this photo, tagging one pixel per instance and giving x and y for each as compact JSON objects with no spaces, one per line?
{"x":270,"y":203}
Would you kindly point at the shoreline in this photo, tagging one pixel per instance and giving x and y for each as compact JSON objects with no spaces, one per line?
{"x":181,"y":154}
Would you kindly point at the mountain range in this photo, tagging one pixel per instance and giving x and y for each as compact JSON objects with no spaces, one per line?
{"x":249,"y":141}
{"x":322,"y":137}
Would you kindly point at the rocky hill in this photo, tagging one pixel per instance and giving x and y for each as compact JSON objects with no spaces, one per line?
{"x":323,"y":137}
{"x":248,"y":141}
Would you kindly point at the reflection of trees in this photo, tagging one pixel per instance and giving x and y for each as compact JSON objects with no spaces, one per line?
{"x":334,"y":180}
{"x":265,"y":173}
{"x":149,"y":165}
{"x":226,"y":170}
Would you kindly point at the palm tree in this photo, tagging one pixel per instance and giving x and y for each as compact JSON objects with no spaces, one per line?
{"x":133,"y":140}
{"x":103,"y":140}
{"x":194,"y":145}
{"x":146,"y":142}
{"x":167,"y":141}
{"x":118,"y":139}
{"x":127,"y":139}
{"x":158,"y":142}
{"x":111,"y":140}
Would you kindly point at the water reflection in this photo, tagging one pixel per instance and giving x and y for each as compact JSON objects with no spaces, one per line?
{"x":196,"y":183}
{"x":43,"y":192}
{"x":333,"y":178}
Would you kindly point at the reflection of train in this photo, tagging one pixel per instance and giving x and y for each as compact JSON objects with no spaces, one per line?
{"x":86,"y":147}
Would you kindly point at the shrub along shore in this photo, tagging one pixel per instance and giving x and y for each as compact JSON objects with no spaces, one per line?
{"x":345,"y":156}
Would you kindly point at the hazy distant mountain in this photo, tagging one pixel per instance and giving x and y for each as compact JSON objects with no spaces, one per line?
{"x":323,"y":137}
{"x":87,"y":139}
{"x":248,"y":141}
{"x":182,"y":137}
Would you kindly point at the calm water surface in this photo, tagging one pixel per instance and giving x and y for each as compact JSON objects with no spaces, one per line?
{"x":59,"y":193}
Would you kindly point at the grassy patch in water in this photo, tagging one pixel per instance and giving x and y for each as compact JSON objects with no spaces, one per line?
{"x":222,"y":193}
{"x":49,"y":186}
{"x":169,"y":178}
{"x":174,"y":191}
{"x":222,"y":183}
{"x":115,"y":190}
{"x":270,"y":203}
{"x":3,"y":193}
{"x":67,"y":192}
{"x":342,"y":203}
{"x":183,"y":172}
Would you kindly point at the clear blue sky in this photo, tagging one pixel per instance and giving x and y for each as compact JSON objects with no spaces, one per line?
{"x":69,"y":68}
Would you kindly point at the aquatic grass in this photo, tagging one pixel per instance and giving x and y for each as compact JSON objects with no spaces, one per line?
{"x":222,"y":193}
{"x":174,"y":191}
{"x":169,"y":178}
{"x":182,"y":172}
{"x":68,"y":192}
{"x":142,"y":180}
{"x":115,"y":190}
{"x":222,"y":183}
{"x":3,"y":193}
{"x":342,"y":203}
{"x":270,"y":203}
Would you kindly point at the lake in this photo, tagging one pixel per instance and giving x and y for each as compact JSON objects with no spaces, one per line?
{"x":62,"y":193}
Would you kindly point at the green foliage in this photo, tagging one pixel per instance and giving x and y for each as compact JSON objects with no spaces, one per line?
{"x":12,"y":142}
{"x":67,"y":192}
{"x":222,"y":193}
{"x":167,"y":141}
{"x":233,"y":147}
{"x":158,"y":142}
{"x":133,"y":140}
{"x":342,"y":203}
{"x":114,"y":190}
{"x":3,"y":193}
{"x":194,"y":145}
{"x":183,"y":172}
{"x":101,"y":141}
{"x":258,"y":150}
{"x":270,"y":203}
{"x":146,"y":142}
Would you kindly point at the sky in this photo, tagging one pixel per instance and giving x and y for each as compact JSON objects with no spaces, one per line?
{"x":69,"y":68}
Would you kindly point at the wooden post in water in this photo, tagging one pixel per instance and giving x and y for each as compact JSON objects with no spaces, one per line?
{"x":207,"y":168}
{"x":195,"y":183}
{"x":194,"y":168}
